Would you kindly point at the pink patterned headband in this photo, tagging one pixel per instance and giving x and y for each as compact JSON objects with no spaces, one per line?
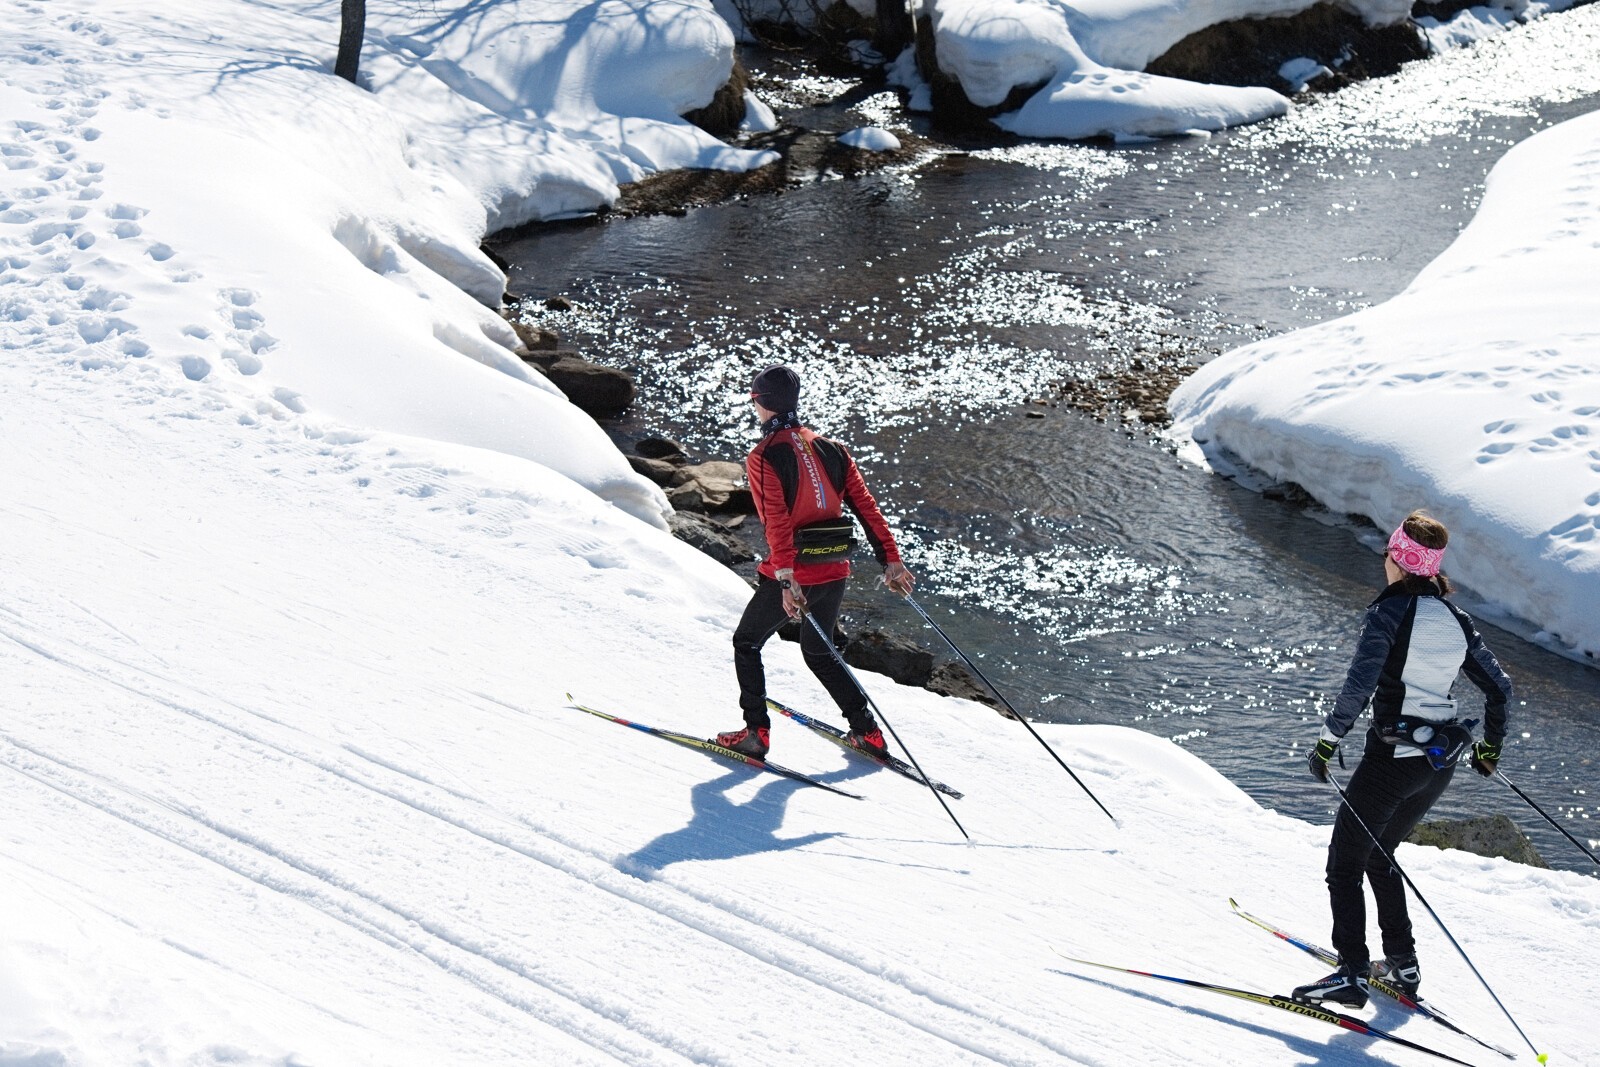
{"x":1412,"y":557}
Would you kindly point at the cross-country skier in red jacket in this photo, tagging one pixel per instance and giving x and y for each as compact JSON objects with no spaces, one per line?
{"x":802,"y":482}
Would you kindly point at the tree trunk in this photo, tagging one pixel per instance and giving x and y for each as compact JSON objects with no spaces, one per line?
{"x":895,"y":31}
{"x":352,"y":30}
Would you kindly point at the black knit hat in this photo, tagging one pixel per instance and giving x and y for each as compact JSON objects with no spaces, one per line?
{"x":777,"y":388}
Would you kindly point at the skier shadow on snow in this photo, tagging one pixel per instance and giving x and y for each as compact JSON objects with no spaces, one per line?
{"x":721,"y":829}
{"x":1356,"y":1050}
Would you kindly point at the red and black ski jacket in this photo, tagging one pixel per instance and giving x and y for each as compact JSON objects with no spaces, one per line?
{"x":799,"y":477}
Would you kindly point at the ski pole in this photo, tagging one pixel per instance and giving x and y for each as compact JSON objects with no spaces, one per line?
{"x":1002,"y":698}
{"x":828,"y":642}
{"x":1333,"y":779}
{"x":1529,"y":801}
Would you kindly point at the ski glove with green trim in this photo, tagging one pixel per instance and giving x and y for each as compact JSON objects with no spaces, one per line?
{"x":1485,"y":757}
{"x":1318,"y":763}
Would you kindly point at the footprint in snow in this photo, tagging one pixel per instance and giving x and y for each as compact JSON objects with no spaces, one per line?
{"x":244,"y":362}
{"x":99,"y":299}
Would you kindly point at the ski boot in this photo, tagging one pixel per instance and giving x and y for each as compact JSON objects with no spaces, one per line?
{"x":1401,"y":971}
{"x":1347,"y":986}
{"x":869,"y":741}
{"x":748,"y":741}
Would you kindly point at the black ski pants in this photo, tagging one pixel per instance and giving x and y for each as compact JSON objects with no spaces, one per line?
{"x":762,"y":618}
{"x":1391,"y":796}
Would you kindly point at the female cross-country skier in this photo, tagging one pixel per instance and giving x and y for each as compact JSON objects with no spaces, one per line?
{"x":1413,"y":644}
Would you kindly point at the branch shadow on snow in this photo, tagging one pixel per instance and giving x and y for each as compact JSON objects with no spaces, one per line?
{"x":721,"y":829}
{"x":1355,"y":1050}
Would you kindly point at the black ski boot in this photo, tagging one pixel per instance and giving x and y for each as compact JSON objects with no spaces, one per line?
{"x":1402,"y":971}
{"x":1347,"y":986}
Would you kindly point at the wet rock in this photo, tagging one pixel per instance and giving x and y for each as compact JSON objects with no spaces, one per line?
{"x":1289,"y":493}
{"x":687,"y":498}
{"x":657,"y":470}
{"x":715,"y":485}
{"x":1485,"y":835}
{"x":601,"y":391}
{"x":1250,"y":51}
{"x":662,"y":448}
{"x":535,"y":338}
{"x":954,"y":680}
{"x":874,"y":650}
{"x":712,"y":472}
{"x":558,"y":303}
{"x":709,"y":537}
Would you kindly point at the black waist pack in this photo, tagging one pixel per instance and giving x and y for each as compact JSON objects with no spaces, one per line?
{"x":1442,"y":742}
{"x":828,"y":541}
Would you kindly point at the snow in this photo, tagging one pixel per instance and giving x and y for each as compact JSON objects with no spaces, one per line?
{"x":1090,"y":59}
{"x":1474,"y":392}
{"x":1465,"y":28}
{"x":297,"y":566}
{"x":870,"y":139}
{"x":381,"y":197}
{"x":758,"y":117}
{"x":1301,"y":72}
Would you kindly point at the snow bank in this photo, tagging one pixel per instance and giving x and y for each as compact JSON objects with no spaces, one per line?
{"x":1475,"y":393}
{"x":195,"y":191}
{"x":995,"y":46}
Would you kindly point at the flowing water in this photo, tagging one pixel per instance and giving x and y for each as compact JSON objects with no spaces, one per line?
{"x":935,"y":310}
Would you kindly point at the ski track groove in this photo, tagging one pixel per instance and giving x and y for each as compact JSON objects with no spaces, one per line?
{"x":329,"y":896}
{"x":904,"y":979}
{"x":596,"y":870}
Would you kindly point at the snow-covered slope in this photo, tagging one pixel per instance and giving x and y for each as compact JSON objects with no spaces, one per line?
{"x":193,"y":191}
{"x":296,"y":571}
{"x":289,"y":778}
{"x":1475,"y":393}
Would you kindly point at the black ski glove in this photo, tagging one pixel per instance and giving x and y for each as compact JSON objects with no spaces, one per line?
{"x":1485,"y":757}
{"x":1318,"y":763}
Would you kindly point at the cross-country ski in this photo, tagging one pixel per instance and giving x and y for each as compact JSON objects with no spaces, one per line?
{"x":842,"y":739}
{"x":1388,"y":989}
{"x":1282,"y":1003}
{"x":705,"y":745}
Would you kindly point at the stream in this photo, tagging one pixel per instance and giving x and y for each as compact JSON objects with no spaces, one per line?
{"x":936,"y":312}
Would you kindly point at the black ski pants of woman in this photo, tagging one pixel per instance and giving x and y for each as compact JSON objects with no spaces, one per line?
{"x":762,"y":618}
{"x":1391,"y":796}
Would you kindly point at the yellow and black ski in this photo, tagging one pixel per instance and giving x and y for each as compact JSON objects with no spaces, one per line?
{"x":1393,"y":992}
{"x":1289,"y":1004}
